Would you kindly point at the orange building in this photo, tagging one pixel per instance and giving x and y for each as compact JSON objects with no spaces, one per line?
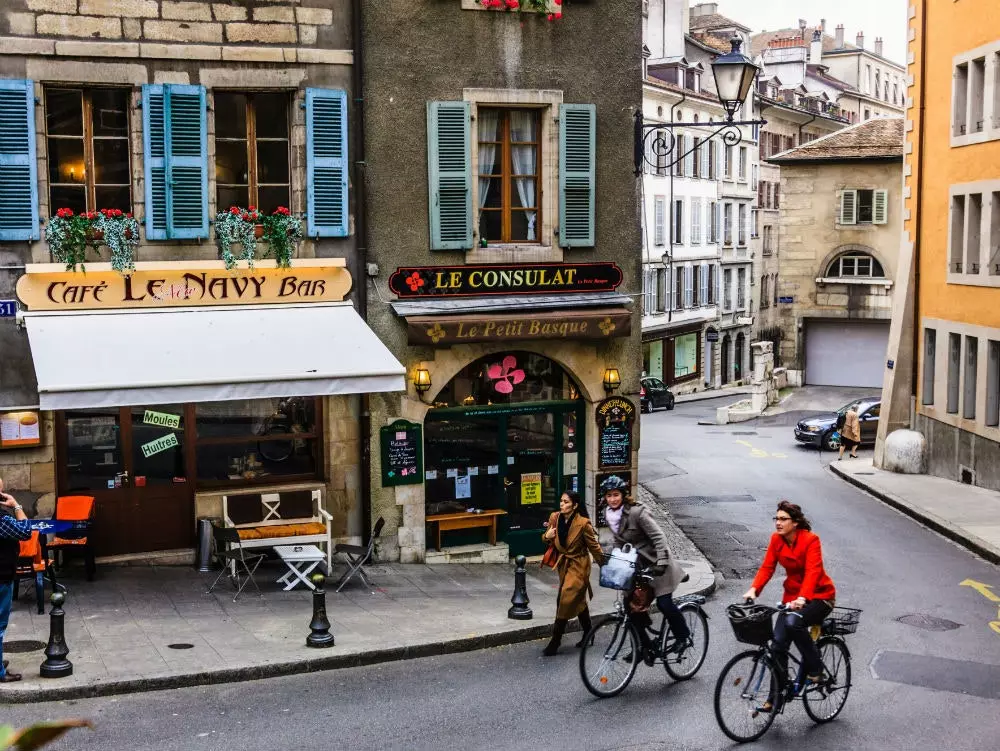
{"x":943,"y":368}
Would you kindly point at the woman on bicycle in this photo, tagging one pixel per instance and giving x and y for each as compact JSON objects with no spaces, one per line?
{"x":573,"y":536}
{"x":809,"y":593}
{"x":631,"y":522}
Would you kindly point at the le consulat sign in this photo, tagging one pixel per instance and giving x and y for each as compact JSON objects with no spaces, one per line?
{"x":504,"y":279}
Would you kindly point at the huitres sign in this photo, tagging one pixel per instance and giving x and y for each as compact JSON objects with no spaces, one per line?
{"x":499,"y":279}
{"x":588,"y":323}
{"x":160,"y":285}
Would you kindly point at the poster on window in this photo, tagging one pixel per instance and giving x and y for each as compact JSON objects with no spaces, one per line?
{"x":531,"y":488}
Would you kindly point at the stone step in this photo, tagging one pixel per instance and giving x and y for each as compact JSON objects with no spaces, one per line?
{"x":481,"y":552}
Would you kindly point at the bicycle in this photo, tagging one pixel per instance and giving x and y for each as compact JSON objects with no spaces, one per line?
{"x":752,"y":679}
{"x":613,"y":648}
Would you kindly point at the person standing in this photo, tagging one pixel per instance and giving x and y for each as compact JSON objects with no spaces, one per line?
{"x":14,"y":527}
{"x":573,"y":536}
{"x":850,"y":433}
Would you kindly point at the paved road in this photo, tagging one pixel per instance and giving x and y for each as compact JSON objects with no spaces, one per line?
{"x":721,"y":484}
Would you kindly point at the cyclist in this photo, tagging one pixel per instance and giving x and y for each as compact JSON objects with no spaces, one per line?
{"x":809,"y":593}
{"x":633,"y":523}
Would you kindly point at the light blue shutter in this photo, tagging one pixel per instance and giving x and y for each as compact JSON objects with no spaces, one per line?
{"x":449,"y":174}
{"x":326,"y":163}
{"x":18,"y":165}
{"x":577,"y":174}
{"x":176,"y":161}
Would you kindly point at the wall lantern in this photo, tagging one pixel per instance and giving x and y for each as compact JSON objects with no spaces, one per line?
{"x":422,"y":380}
{"x":734,"y":73}
{"x":612,"y":380}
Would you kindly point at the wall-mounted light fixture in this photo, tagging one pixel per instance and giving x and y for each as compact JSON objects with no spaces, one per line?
{"x":422,"y":380}
{"x":612,"y":380}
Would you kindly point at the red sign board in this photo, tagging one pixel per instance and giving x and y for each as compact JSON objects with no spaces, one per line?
{"x":504,"y":279}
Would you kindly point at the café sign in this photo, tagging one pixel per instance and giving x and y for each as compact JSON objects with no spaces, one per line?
{"x":191,"y":283}
{"x":444,"y":331}
{"x":504,"y":279}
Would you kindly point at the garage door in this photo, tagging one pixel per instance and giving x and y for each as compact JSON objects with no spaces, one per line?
{"x":846,"y":353}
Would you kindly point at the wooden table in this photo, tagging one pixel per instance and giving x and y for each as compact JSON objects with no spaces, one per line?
{"x":466,"y":520}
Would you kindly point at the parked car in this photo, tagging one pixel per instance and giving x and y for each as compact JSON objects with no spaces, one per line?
{"x":654,"y":393}
{"x":819,"y":430}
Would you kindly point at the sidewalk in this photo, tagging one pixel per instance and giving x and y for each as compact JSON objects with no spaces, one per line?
{"x":964,"y":513}
{"x":720,"y":393}
{"x":145,"y":628}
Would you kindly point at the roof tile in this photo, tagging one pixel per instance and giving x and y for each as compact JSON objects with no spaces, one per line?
{"x":880,"y":138}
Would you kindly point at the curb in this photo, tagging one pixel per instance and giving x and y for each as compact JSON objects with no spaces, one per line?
{"x":292,"y":667}
{"x":943,"y":527}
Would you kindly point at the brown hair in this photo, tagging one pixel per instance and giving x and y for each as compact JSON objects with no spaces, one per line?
{"x":795,"y":512}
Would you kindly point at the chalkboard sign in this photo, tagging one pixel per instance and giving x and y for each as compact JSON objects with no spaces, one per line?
{"x":402,"y":454}
{"x":614,"y":432}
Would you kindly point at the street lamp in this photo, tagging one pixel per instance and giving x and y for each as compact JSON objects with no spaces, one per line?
{"x":734,"y":73}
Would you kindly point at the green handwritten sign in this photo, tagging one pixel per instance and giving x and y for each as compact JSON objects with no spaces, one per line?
{"x":161,"y":419}
{"x":160,"y":444}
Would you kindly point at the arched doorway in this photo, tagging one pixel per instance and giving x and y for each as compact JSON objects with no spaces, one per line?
{"x":726,"y":371}
{"x":739,"y":357}
{"x":711,"y":337}
{"x":506,"y":433}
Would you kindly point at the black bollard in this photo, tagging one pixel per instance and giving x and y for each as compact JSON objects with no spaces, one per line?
{"x":56,"y":665}
{"x":319,"y":628}
{"x":519,"y":609}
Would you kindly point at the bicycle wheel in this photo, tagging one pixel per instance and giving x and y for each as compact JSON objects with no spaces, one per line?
{"x":745,"y":684}
{"x":683,"y":666}
{"x":609,"y":656}
{"x":825,"y":700}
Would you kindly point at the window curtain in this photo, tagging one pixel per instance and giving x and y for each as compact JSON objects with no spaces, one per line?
{"x":488,"y":120}
{"x":522,"y":128}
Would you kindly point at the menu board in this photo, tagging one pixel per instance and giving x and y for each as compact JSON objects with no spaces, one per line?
{"x":614,"y":432}
{"x":20,"y":429}
{"x":402,"y":453}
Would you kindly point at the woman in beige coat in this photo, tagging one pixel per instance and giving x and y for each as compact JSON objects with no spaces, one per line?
{"x":573,"y":536}
{"x":850,"y":434}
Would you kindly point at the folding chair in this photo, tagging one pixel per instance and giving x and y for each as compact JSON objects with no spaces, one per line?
{"x":31,"y":567}
{"x":236,"y":562}
{"x":75,"y":508}
{"x":357,"y":556}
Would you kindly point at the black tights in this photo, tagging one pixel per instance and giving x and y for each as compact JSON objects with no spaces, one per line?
{"x":791,"y":628}
{"x":667,"y":606}
{"x":559,"y":627}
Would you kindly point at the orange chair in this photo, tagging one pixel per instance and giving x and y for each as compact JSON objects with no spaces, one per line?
{"x":75,"y":508}
{"x":31,"y":567}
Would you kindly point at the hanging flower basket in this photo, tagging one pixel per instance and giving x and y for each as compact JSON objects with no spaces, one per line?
{"x":237,"y":225}
{"x":524,"y":6}
{"x":281,"y":232}
{"x":68,"y":236}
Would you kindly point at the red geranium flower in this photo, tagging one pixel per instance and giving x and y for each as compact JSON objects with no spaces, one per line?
{"x":246,"y":217}
{"x":234,"y":211}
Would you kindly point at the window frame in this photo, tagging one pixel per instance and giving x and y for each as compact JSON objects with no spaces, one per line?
{"x":838,"y":264}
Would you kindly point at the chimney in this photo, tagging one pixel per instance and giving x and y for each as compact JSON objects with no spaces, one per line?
{"x":816,"y":48}
{"x":859,"y":42}
{"x":878,"y":46}
{"x":802,"y":27}
{"x":840,"y":36}
{"x":704,"y":9}
{"x":822,"y":25}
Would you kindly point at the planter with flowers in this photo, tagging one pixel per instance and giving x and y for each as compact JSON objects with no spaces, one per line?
{"x":237,"y":226}
{"x":552,"y":9}
{"x":69,"y":235}
{"x":281,"y":232}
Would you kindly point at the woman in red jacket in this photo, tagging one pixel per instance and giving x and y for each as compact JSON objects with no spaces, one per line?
{"x":809,"y":592}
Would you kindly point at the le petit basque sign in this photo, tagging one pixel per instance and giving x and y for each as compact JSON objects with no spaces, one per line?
{"x":588,"y":323}
{"x":500,"y":279}
{"x":184,"y":283}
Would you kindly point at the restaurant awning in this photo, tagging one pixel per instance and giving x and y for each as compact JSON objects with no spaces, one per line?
{"x":118,"y":358}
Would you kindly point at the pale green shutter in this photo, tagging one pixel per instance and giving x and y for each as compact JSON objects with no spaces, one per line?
{"x":848,"y":207}
{"x":880,"y":213}
{"x":577,"y":174}
{"x":449,"y":172}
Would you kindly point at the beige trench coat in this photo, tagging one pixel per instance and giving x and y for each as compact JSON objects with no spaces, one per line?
{"x":574,"y":564}
{"x":640,"y":530}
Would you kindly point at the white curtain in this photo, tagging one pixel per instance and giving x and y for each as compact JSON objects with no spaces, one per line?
{"x":522,"y":128}
{"x":487,"y":151}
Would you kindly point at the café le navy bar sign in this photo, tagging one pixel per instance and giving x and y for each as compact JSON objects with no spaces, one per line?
{"x":504,"y":279}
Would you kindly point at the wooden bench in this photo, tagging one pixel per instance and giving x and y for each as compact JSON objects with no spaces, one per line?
{"x":466,"y":520}
{"x":294,"y":517}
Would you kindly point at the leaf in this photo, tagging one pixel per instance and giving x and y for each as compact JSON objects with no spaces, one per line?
{"x":494,"y":372}
{"x":7,"y":734}
{"x":42,"y":733}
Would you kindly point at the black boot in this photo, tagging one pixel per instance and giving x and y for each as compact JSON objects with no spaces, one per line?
{"x":558,"y":629}
{"x":584,"y":626}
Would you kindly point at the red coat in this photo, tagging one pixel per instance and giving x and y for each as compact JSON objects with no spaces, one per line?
{"x":803,"y":562}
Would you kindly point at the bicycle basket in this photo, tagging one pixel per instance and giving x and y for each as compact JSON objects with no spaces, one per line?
{"x":842,"y":621}
{"x":751,"y":624}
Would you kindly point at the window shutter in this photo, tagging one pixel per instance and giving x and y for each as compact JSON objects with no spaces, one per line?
{"x":659,"y":212}
{"x":449,"y":172}
{"x":18,"y":162}
{"x":848,"y":207}
{"x":327,"y":213}
{"x":678,"y":155}
{"x":695,"y":221}
{"x":706,"y":159}
{"x":577,"y":175}
{"x":881,"y":209}
{"x":688,"y":286}
{"x":176,"y":161}
{"x":704,"y":284}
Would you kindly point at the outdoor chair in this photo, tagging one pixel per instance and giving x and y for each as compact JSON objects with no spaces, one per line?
{"x":31,"y":568}
{"x":75,"y":508}
{"x":238,"y":564}
{"x":357,"y":556}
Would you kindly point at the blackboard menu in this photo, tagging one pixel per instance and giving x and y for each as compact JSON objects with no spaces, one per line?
{"x":402,"y":453}
{"x":614,"y":432}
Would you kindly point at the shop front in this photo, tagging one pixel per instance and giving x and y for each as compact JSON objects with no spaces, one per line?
{"x":675,"y":356}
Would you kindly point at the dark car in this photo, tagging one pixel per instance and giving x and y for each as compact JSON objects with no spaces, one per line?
{"x":819,"y":430}
{"x":654,"y":393}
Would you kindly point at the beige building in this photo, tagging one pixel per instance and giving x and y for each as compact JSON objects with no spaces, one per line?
{"x":840,"y":221}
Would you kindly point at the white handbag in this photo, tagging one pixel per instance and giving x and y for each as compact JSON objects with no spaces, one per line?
{"x":617,"y":573}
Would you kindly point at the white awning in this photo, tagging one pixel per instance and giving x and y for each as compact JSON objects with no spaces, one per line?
{"x":127,"y":357}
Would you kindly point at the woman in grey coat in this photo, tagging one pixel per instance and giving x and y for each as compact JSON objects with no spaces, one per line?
{"x":633,"y":523}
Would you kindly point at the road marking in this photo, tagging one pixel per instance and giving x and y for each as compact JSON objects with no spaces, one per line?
{"x":759,"y":453}
{"x":983,"y":589}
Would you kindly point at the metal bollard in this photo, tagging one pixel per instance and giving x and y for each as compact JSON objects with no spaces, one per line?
{"x":519,"y":609}
{"x":56,"y":665}
{"x":319,"y":628}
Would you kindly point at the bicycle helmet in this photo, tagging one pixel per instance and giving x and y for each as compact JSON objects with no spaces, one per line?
{"x":613,"y":483}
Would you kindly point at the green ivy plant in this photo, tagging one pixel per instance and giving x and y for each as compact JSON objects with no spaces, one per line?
{"x":66,"y":235}
{"x":69,"y":235}
{"x":119,"y":232}
{"x":281,"y":232}
{"x":234,"y":226}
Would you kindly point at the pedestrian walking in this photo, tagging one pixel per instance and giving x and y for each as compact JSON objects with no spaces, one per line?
{"x":850,"y":433}
{"x":14,"y":527}
{"x":573,"y":536}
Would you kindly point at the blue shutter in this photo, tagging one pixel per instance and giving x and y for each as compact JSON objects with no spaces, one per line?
{"x":577,"y":136}
{"x":18,"y":165}
{"x":326,"y":163}
{"x":175,"y":145}
{"x":449,"y":172}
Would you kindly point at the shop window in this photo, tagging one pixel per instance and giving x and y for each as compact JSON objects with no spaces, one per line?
{"x":685,"y":356}
{"x":927,"y":387}
{"x":252,"y":150}
{"x":509,"y":159}
{"x":93,"y":450}
{"x":506,"y":379}
{"x":87,"y":139}
{"x":855,"y":266}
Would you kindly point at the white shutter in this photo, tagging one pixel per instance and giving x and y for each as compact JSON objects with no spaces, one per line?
{"x":659,"y":220}
{"x":688,"y":286}
{"x":880,"y":212}
{"x":706,"y":159}
{"x":680,"y":145}
{"x":704,"y":284}
{"x":848,"y":207}
{"x":695,"y":221}
{"x":689,"y":162}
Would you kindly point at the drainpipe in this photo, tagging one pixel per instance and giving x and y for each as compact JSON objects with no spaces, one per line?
{"x":361,"y":258}
{"x":802,"y":126}
{"x":918,"y":221}
{"x":670,"y":213}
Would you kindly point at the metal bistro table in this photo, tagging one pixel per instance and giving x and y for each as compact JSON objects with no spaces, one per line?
{"x":45,"y":527}
{"x":301,"y":560}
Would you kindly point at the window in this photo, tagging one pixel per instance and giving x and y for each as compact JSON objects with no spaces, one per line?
{"x":678,"y":234}
{"x":976,"y":96}
{"x":727,"y":289}
{"x":741,"y":289}
{"x":895,"y":92}
{"x":863,"y":206}
{"x":647,"y":291}
{"x":885,"y":90}
{"x":768,"y":248}
{"x":680,"y":147}
{"x":659,"y":220}
{"x":688,"y":287}
{"x":704,"y":285}
{"x":969,"y":381}
{"x":764,"y":300}
{"x":868,"y":114}
{"x":728,"y":163}
{"x":993,"y":384}
{"x":878,"y":82}
{"x":713,"y":221}
{"x":696,"y":221}
{"x":727,"y":224}
{"x":711,"y":167}
{"x":87,"y":136}
{"x":696,"y":159}
{"x":696,"y":298}
{"x":509,"y":175}
{"x":755,"y":225}
{"x":927,"y":387}
{"x":660,"y":156}
{"x":713,"y":284}
{"x":761,"y":192}
{"x":661,"y":290}
{"x":774,"y":290}
{"x":743,"y":163}
{"x":974,"y":207}
{"x":742,"y":209}
{"x":954,"y":367}
{"x":775,"y":190}
{"x":855,"y":266}
{"x":868,"y":79}
{"x":957,"y":234}
{"x":678,"y":287}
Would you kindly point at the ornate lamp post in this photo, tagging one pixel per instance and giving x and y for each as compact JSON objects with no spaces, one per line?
{"x":734,"y":74}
